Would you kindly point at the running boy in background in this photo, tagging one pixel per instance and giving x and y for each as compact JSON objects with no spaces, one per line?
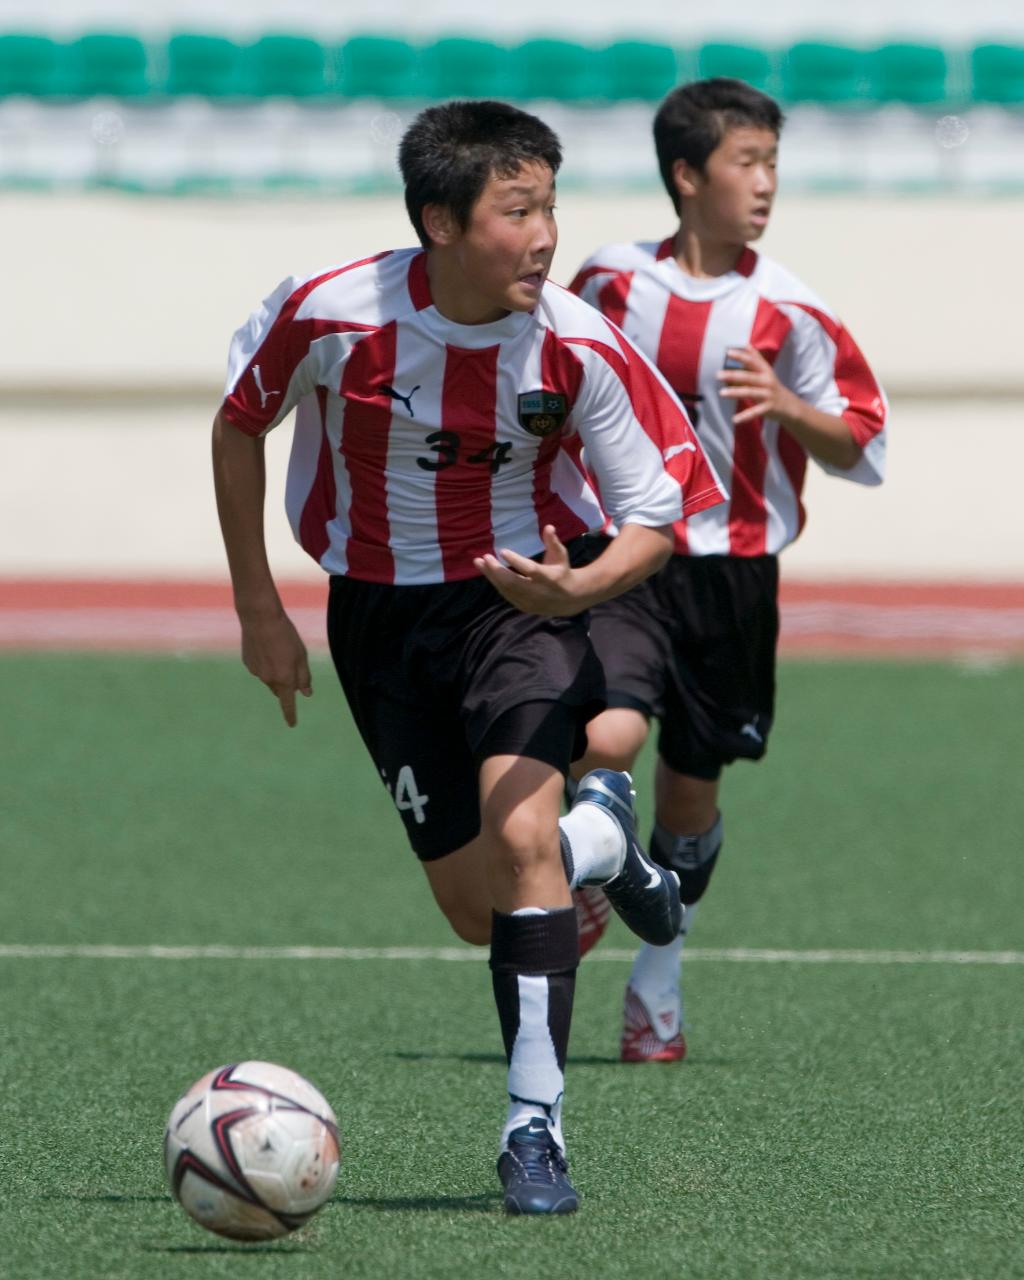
{"x":435,"y":387}
{"x":770,"y":379}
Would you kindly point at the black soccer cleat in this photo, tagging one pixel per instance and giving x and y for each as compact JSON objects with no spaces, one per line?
{"x":644,"y":895}
{"x":534,"y":1174}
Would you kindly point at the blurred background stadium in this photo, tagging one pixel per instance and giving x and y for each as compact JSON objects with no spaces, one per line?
{"x":162,"y":167}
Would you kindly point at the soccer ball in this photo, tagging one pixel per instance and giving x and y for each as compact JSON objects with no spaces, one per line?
{"x":252,"y":1151}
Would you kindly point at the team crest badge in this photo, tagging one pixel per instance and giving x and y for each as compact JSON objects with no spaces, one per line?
{"x":542,"y":412}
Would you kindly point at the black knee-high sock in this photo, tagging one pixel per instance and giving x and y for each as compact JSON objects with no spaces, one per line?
{"x":534,"y":959}
{"x":692,"y":858}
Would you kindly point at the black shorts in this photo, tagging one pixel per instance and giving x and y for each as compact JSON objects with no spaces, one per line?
{"x":694,"y":647}
{"x":439,"y":677}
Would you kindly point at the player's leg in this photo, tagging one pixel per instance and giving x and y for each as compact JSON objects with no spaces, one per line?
{"x":614,"y":740}
{"x":523,"y":750}
{"x":685,"y":803}
{"x":429,"y":675}
{"x":688,"y":833}
{"x":687,"y":837}
{"x":506,"y":884}
{"x":429,"y":773}
{"x":532,"y":860}
{"x":629,"y":637}
{"x":534,"y":940}
{"x":644,"y":894}
{"x":719,"y":708}
{"x":461,"y":888}
{"x":407,"y":711}
{"x":594,"y":847}
{"x":520,"y":798}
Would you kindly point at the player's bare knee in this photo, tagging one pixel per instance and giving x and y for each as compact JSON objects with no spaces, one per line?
{"x":522,"y":841}
{"x":614,"y":739}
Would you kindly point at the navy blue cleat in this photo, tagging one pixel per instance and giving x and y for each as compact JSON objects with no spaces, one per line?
{"x":644,"y":895}
{"x":534,"y":1174}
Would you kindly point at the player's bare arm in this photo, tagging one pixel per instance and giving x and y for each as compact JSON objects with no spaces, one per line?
{"x":272,"y":649}
{"x":554,"y":589}
{"x":825,"y":435}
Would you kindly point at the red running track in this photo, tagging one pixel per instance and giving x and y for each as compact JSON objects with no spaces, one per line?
{"x":827,"y":618}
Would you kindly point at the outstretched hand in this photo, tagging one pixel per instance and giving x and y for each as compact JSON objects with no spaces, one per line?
{"x":273,"y":652}
{"x":756,"y":382}
{"x":546,"y":587}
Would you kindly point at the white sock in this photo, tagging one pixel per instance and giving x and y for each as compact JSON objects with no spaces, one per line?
{"x":597,"y":844}
{"x":655,"y":979}
{"x":534,"y":1068}
{"x":521,"y":1113}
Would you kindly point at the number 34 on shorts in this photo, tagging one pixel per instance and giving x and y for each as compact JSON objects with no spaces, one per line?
{"x":406,"y":794}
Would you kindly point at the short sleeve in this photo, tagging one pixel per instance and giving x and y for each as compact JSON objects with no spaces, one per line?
{"x":272,"y":362}
{"x":823,"y":365}
{"x":637,"y":440}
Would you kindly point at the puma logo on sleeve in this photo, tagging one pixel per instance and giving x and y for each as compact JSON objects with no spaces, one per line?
{"x":258,"y":379}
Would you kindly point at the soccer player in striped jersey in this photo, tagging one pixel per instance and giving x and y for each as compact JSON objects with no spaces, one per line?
{"x":771,"y":380}
{"x":440,"y":394}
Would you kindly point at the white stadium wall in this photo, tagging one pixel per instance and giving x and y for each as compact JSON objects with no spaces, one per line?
{"x":152,"y":288}
{"x":120,"y":310}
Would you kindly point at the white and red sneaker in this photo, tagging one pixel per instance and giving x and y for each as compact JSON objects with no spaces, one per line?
{"x":592,"y":912}
{"x":651,"y":1035}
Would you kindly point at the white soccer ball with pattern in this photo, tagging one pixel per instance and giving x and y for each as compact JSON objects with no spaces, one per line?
{"x":252,"y":1151}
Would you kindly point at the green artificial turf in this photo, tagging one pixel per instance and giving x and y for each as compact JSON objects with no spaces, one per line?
{"x":832,"y":1120}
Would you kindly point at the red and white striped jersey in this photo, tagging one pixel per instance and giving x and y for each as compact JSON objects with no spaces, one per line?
{"x":685,"y":325}
{"x":421,"y":444}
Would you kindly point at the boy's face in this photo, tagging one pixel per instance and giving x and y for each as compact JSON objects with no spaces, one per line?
{"x":732,"y":199}
{"x":500,"y":260}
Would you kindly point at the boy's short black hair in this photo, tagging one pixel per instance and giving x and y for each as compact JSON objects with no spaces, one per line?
{"x":693,"y":119}
{"x":451,"y":151}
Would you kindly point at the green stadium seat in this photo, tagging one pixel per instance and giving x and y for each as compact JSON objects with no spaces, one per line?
{"x":459,"y":67}
{"x":560,"y":70}
{"x":207,"y":65}
{"x":33,"y":65}
{"x":287,"y":66}
{"x":380,"y":67}
{"x":997,"y":74}
{"x":739,"y":61}
{"x":636,"y":70}
{"x":108,"y":63}
{"x":914,"y":73}
{"x":827,"y":73}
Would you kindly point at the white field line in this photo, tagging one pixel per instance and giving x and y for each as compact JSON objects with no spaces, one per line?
{"x":741,"y":955}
